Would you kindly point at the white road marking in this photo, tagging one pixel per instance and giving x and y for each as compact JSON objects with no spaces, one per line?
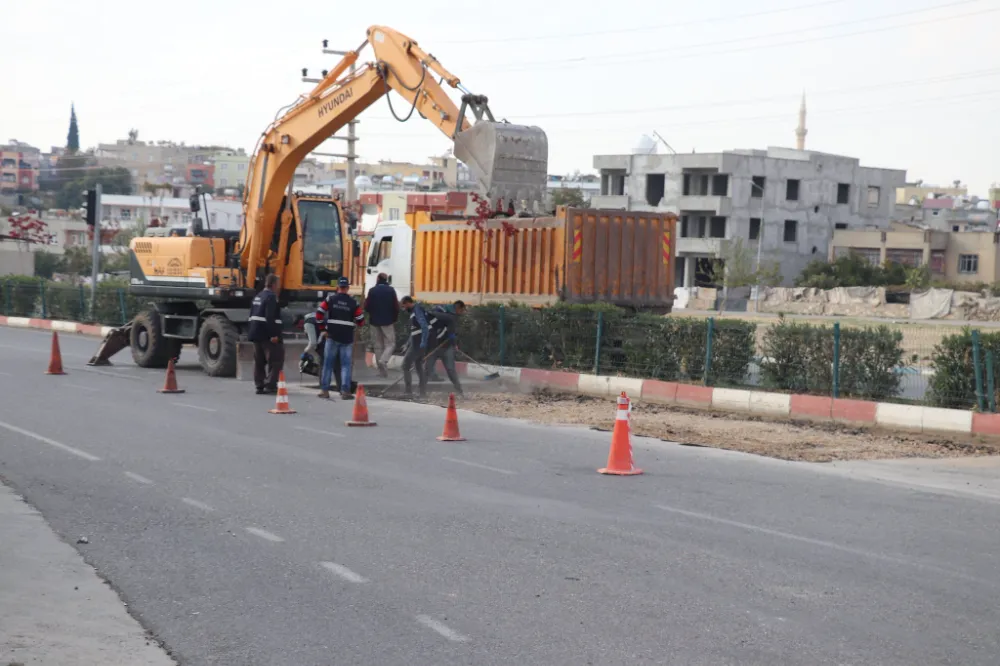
{"x":498,"y":470}
{"x":50,"y":442}
{"x":264,"y":535}
{"x":116,"y":375}
{"x":199,"y":408}
{"x":82,"y":388}
{"x":6,"y":374}
{"x":197,"y":504}
{"x":139,"y":478}
{"x":320,"y":432}
{"x":442,"y":629}
{"x":816,"y":542}
{"x":343,"y":572}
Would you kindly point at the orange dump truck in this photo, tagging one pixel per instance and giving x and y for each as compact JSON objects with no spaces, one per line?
{"x":578,"y":256}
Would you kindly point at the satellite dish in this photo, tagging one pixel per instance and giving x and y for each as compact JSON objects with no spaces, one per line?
{"x":646,"y":145}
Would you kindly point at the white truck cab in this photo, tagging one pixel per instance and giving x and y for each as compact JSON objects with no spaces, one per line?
{"x":391,"y":252}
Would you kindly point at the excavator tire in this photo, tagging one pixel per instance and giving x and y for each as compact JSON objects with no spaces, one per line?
{"x":149,"y":348}
{"x":217,"y":342}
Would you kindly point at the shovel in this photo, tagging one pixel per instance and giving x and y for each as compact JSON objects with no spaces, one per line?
{"x":400,"y":378}
{"x":490,"y":376}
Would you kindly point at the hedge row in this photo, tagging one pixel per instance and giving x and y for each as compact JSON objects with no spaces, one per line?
{"x":799,"y":358}
{"x":954,"y":381}
{"x":33,"y":297}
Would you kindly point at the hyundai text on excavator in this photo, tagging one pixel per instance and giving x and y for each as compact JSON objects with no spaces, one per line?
{"x":202,"y":284}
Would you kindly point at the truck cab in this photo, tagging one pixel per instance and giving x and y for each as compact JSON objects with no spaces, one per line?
{"x":390,"y":251}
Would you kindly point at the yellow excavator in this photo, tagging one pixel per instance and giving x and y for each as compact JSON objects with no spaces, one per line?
{"x":201,"y":285}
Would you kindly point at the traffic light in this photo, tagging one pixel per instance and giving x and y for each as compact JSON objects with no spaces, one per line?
{"x":90,"y":206}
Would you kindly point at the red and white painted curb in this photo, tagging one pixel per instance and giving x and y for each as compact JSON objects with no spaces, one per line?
{"x":56,"y":325}
{"x":915,"y":418}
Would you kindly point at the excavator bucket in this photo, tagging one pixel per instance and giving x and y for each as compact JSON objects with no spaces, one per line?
{"x":510,"y":162}
{"x":116,"y":340}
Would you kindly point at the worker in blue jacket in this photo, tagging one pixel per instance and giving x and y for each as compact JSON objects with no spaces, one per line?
{"x":265,"y":334}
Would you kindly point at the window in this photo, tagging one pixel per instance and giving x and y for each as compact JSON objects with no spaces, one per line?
{"x":322,"y":253}
{"x":223,"y":167}
{"x":241,"y":167}
{"x":968,"y":264}
{"x":613,"y":182}
{"x":25,"y":179}
{"x":717,"y":229}
{"x":720,"y":185}
{"x":873,"y":197}
{"x":840,"y":225}
{"x":382,"y":252}
{"x":754,"y":228}
{"x":125,"y":214}
{"x":791,"y":231}
{"x":792,"y":190}
{"x":843,"y":193}
{"x":223,"y":182}
{"x":954,"y":227}
{"x":655,"y":186}
{"x":684,"y":226}
{"x":757,"y":186}
{"x":393,"y":213}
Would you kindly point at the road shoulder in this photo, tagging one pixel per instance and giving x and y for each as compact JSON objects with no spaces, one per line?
{"x":56,"y":609}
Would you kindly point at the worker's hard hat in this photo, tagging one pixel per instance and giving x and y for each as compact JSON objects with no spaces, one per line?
{"x":343,"y":282}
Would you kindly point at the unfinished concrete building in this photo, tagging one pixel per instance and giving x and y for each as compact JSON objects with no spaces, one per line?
{"x":789,"y":200}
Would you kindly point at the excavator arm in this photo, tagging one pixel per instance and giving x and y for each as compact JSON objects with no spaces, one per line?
{"x":508,"y":161}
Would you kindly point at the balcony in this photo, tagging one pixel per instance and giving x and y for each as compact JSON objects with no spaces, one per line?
{"x":610,"y":201}
{"x":719,"y":205}
{"x":713,"y":247}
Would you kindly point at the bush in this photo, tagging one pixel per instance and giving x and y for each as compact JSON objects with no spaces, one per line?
{"x":21,"y":296}
{"x":954,"y":381}
{"x":799,"y":358}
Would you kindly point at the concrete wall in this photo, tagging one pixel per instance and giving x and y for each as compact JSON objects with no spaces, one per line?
{"x":816,"y":211}
{"x":16,"y":262}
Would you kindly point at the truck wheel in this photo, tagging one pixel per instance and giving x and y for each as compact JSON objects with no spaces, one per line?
{"x":149,"y":348}
{"x":217,"y":342}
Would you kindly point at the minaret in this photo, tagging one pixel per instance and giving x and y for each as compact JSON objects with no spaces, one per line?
{"x":801,"y":131}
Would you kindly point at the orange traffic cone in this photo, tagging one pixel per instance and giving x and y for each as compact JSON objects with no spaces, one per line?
{"x":620,"y":456}
{"x":281,"y":400}
{"x":170,"y":385}
{"x":360,"y":416}
{"x":55,"y":358}
{"x":451,"y":433}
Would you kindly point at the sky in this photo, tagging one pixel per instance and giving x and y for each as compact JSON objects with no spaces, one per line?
{"x":914,"y":86}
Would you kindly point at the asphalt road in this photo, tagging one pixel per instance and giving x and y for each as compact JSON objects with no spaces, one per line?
{"x":240,"y":537}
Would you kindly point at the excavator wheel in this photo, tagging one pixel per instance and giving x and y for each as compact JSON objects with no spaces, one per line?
{"x":217,"y":342}
{"x":149,"y":348}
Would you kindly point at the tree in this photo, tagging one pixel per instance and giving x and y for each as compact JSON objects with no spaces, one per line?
{"x":852,"y":270}
{"x":77,"y":261}
{"x":27,"y":230}
{"x":568,"y":196}
{"x":113,"y":180}
{"x":47,"y":264}
{"x":736,"y":269}
{"x":73,"y":138}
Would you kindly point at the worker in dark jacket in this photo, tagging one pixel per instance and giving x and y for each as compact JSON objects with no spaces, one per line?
{"x":341,"y":315}
{"x":382,"y":307}
{"x":416,"y":346}
{"x":265,"y":334}
{"x":444,"y":340}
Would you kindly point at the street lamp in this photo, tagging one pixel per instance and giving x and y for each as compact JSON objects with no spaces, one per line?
{"x":760,"y":237}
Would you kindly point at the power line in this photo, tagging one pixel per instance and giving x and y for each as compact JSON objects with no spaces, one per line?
{"x":640,"y":56}
{"x":644,"y":28}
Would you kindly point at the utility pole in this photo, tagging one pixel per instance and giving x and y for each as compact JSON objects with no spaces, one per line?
{"x":351,"y":156}
{"x":95,"y":265}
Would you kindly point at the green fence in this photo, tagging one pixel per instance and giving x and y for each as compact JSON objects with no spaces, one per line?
{"x":920,"y":364}
{"x":28,"y":297}
{"x":939,"y":364}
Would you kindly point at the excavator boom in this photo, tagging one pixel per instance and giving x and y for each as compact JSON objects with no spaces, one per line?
{"x":509,"y":162}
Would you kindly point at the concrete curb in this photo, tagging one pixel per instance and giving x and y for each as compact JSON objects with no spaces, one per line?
{"x":893,"y":416}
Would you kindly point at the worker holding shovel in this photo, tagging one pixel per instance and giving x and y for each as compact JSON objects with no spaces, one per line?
{"x":444,"y":334}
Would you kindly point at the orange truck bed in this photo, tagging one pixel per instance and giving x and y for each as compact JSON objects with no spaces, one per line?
{"x":578,"y":256}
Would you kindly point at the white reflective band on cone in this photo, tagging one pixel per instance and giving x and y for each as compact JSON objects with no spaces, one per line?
{"x":622,"y":415}
{"x":282,"y":399}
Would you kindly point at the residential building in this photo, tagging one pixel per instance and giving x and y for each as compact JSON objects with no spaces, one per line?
{"x":309,"y":172}
{"x":19,"y":167}
{"x":156,"y":162}
{"x":788,"y":200}
{"x":200,"y":174}
{"x":949,"y":214}
{"x":589,"y":185}
{"x":918,"y":191}
{"x":129,"y":210}
{"x":231,"y":167}
{"x":994,"y":196}
{"x":442,"y":171}
{"x":956,"y":257}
